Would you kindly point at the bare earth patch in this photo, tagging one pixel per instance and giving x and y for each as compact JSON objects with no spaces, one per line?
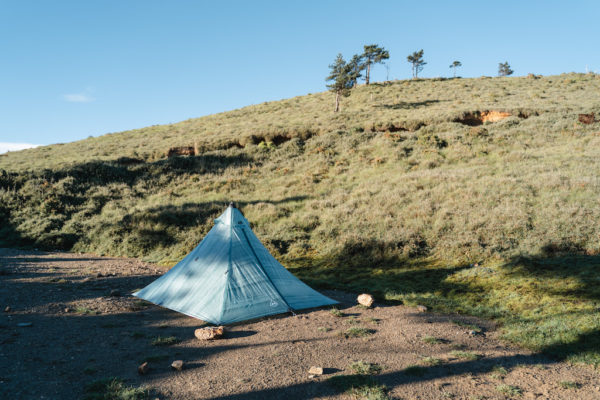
{"x":85,"y":326}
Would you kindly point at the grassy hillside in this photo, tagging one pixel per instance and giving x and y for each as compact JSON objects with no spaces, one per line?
{"x":403,"y":193}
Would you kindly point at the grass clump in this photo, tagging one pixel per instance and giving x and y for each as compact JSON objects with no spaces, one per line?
{"x":324,"y":329}
{"x":509,"y":390}
{"x":363,"y":387}
{"x":499,"y":372}
{"x":431,"y":340}
{"x":365,"y":368}
{"x":431,"y":361}
{"x":466,"y":355}
{"x":113,"y":389}
{"x":85,"y":311}
{"x":569,"y":385}
{"x":358,"y":331}
{"x":336,"y":312}
{"x":164,"y":341}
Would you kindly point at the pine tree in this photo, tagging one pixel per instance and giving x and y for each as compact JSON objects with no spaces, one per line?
{"x":356,"y":66}
{"x":455,"y":65}
{"x":374,"y":55}
{"x":416,"y":59}
{"x":341,"y":76}
{"x":504,"y":69}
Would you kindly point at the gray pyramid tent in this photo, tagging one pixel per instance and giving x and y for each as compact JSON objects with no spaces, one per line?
{"x":230,"y":277}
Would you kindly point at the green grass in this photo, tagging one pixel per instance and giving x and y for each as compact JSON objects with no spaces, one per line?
{"x":499,"y":372}
{"x":113,"y":389}
{"x":359,"y":386}
{"x":509,"y":391}
{"x":393,"y":196}
{"x":336,"y":313}
{"x":569,"y":385}
{"x":466,"y":355}
{"x":431,"y":361}
{"x":431,"y":340}
{"x":365,"y":368}
{"x":164,"y":341}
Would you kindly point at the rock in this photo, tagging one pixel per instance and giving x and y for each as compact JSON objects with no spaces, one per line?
{"x":67,"y":310}
{"x":143,"y":369}
{"x":311,"y":376}
{"x":177,"y":365}
{"x":24,"y":324}
{"x":472,"y":333}
{"x":365,"y":299}
{"x":421,"y":308}
{"x":7,"y":309}
{"x":315,"y":371}
{"x":209,"y":333}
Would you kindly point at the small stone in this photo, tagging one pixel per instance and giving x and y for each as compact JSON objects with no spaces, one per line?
{"x":115,"y":293}
{"x":311,"y":376}
{"x":315,"y":371}
{"x":67,"y":310}
{"x":24,"y":324}
{"x":177,"y":365}
{"x":7,"y":309}
{"x":209,"y":333}
{"x":143,"y":369}
{"x":365,"y":299}
{"x":421,"y":308}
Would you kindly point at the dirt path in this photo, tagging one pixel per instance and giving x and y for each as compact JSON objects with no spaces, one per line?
{"x":85,"y":327}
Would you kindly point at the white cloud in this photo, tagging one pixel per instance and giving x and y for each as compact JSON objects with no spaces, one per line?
{"x":78,"y":98}
{"x":7,"y":146}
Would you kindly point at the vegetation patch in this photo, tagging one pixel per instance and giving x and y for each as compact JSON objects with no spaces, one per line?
{"x":357,"y":331}
{"x":164,"y":341}
{"x":114,"y":389}
{"x":359,"y":386}
{"x":466,"y":355}
{"x":509,"y":390}
{"x":365,"y":368}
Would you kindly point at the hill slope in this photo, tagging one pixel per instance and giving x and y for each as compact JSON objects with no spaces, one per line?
{"x":398,"y":194}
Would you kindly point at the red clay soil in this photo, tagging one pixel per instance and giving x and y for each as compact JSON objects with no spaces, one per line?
{"x":80,"y":333}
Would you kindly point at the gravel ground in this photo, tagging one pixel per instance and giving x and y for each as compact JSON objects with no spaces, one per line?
{"x":83,"y":325}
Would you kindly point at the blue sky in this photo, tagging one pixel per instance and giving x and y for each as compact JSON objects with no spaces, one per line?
{"x":71,"y":69}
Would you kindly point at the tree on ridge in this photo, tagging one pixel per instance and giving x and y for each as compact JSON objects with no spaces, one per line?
{"x":374,"y":54}
{"x":416,"y":59}
{"x":455,"y":65}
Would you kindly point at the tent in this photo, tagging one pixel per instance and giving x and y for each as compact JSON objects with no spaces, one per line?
{"x":230,"y":277}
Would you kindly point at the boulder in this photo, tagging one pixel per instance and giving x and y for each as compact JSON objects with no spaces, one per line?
{"x":177,"y":365}
{"x":143,"y":369}
{"x":315,"y":371}
{"x":365,"y":299}
{"x":209,"y":333}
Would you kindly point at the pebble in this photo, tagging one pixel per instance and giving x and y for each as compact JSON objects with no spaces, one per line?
{"x":315,"y":371}
{"x":143,"y":369}
{"x":177,"y":365}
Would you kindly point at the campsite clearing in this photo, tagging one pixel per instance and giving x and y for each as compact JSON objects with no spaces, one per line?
{"x":80,"y":334}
